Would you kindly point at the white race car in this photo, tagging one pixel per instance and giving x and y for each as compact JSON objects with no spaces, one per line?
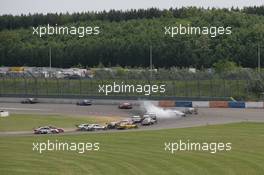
{"x":136,"y":119}
{"x":148,"y":121}
{"x":153,"y":117}
{"x":48,"y":130}
{"x":82,"y":127}
{"x":95,"y":127}
{"x":178,"y":113}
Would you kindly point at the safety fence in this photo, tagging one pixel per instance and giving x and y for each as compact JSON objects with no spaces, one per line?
{"x":213,"y":88}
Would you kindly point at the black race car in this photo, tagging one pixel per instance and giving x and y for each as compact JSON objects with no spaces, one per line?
{"x":112,"y":125}
{"x":84,"y":103}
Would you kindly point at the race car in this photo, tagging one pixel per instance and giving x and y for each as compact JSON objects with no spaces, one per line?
{"x":177,"y":113}
{"x":112,"y":125}
{"x":127,"y":121}
{"x":84,"y":103}
{"x":60,"y":130}
{"x":148,"y":121}
{"x":152,"y":116}
{"x":48,"y":130}
{"x":191,"y":111}
{"x":82,"y":127}
{"x":136,"y":119}
{"x":125,"y":106}
{"x":29,"y":101}
{"x":95,"y":127}
{"x":124,"y":125}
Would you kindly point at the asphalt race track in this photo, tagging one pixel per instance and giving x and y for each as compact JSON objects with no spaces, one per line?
{"x":64,"y":109}
{"x":206,"y":116}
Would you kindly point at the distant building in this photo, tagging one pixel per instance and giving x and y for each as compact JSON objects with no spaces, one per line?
{"x":3,"y":70}
{"x":192,"y":70}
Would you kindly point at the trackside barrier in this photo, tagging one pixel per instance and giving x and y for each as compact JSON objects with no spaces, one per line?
{"x":166,"y":103}
{"x":218,"y":104}
{"x":254,"y":104}
{"x":4,"y":113}
{"x":183,"y":104}
{"x":155,"y":103}
{"x":200,"y":104}
{"x":236,"y":104}
{"x":210,"y":104}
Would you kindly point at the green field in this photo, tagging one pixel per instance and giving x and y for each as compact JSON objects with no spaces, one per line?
{"x":140,"y":152}
{"x":26,"y":122}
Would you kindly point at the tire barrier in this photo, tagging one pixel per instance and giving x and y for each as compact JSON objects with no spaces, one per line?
{"x":236,"y":104}
{"x":252,"y":104}
{"x":161,"y":103}
{"x":183,"y":104}
{"x":166,"y":103}
{"x":155,"y":103}
{"x":212,"y":104}
{"x":218,"y":104}
{"x":200,"y":104}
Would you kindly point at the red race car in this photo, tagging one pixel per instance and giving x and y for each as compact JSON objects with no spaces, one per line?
{"x":125,"y":106}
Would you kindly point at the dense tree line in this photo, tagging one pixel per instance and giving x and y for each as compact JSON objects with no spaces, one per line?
{"x":125,"y":39}
{"x":25,"y":21}
{"x":254,"y":10}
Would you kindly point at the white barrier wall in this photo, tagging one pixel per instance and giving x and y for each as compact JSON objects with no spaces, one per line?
{"x":254,"y":105}
{"x":4,"y":114}
{"x":200,"y":104}
{"x":155,"y":103}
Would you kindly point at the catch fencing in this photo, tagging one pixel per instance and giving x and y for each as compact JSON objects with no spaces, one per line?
{"x":196,"y":88}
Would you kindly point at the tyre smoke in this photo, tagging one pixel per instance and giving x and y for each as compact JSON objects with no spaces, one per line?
{"x":148,"y":107}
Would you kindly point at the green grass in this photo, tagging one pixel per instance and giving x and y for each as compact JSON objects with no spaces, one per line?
{"x":141,"y":152}
{"x":24,"y":122}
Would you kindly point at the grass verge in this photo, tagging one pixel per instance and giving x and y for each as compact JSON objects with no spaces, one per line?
{"x":140,"y":153}
{"x":26,"y":122}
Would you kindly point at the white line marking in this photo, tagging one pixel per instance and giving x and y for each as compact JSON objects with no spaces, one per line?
{"x":25,"y":109}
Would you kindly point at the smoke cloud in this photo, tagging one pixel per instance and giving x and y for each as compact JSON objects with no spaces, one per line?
{"x":160,"y":112}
